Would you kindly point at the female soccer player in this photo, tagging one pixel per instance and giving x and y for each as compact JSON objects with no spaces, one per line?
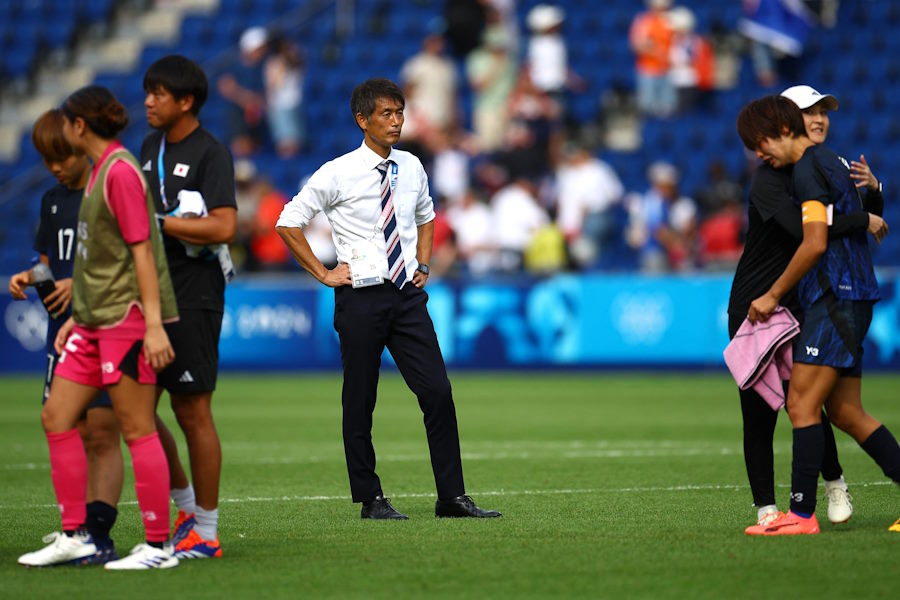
{"x":837,"y":289}
{"x":55,"y":243}
{"x":121,"y":294}
{"x":773,"y":235}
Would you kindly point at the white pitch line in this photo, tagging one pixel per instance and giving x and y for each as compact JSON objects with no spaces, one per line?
{"x":420,"y":456}
{"x":500,"y":492}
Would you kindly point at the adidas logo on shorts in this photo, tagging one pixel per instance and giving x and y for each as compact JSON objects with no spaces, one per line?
{"x":186,"y":377}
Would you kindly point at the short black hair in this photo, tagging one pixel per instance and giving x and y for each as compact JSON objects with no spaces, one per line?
{"x":369,"y":91}
{"x":181,"y":77}
{"x":768,"y":117}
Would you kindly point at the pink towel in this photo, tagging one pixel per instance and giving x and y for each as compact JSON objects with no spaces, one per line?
{"x":760,"y":355}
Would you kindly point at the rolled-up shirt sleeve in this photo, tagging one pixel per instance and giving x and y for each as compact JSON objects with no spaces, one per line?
{"x":424,"y":204}
{"x":316,"y":196}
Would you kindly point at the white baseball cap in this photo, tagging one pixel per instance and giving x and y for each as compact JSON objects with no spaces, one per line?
{"x":545,"y":16}
{"x":805,"y":96}
{"x":253,"y":38}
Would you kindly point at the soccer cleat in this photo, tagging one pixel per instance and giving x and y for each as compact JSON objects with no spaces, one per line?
{"x":144,"y":557}
{"x":789,"y":524}
{"x":194,"y":546}
{"x":62,"y":550}
{"x":895,"y":526}
{"x":840,"y":502}
{"x":183,"y":525}
{"x":767,"y":517}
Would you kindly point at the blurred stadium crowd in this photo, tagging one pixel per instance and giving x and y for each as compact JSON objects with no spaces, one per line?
{"x":565,"y":136}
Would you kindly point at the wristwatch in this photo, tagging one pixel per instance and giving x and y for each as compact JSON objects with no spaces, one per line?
{"x":423,"y":268}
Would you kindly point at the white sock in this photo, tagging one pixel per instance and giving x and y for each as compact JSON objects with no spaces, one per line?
{"x":762,"y":510}
{"x":839,"y":482}
{"x":207,"y":523}
{"x":184,"y":499}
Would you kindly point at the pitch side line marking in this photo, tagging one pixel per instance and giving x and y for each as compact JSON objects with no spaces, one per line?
{"x":501,"y":492}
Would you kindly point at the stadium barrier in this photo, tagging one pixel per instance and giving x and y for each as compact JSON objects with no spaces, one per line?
{"x":566,"y":321}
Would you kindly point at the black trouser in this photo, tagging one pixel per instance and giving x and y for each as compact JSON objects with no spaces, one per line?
{"x":368,"y":320}
{"x":759,"y":433}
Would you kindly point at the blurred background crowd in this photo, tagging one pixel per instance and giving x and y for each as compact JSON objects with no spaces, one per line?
{"x":575,"y":135}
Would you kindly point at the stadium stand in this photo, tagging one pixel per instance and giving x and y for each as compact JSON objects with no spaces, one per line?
{"x":861,"y":70}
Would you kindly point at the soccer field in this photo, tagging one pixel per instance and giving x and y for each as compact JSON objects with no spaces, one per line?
{"x":611,"y":486}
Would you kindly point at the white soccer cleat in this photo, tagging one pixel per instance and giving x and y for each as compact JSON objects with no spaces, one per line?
{"x":840,"y":503}
{"x":63,"y":549}
{"x":143,"y":557}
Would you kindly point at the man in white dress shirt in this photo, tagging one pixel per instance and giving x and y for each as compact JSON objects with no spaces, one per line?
{"x":382,"y":218}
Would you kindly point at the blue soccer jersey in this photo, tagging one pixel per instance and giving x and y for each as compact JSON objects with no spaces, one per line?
{"x":846,"y":267}
{"x":56,"y":237}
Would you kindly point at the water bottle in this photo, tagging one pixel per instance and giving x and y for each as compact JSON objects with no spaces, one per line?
{"x":43,"y":280}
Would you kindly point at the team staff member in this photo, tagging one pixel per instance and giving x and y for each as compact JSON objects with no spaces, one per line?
{"x":837,"y":289}
{"x":55,"y":244}
{"x":115,"y":340}
{"x":376,"y":199}
{"x":775,"y":230}
{"x":181,"y":156}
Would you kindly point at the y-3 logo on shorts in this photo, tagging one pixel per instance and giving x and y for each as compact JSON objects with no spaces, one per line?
{"x":812,"y":351}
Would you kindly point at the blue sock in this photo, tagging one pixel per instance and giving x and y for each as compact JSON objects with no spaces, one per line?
{"x":809,"y":448}
{"x":100,"y":520}
{"x":882,"y":447}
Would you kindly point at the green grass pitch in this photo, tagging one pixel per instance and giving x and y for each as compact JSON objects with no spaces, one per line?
{"x":611,"y":486}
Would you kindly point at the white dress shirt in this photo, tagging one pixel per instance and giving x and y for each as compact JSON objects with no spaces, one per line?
{"x":348,"y":191}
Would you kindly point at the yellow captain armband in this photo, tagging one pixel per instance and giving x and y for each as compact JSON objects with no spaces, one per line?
{"x":814,"y":211}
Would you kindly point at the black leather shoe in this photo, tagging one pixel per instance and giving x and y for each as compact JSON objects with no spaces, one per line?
{"x":380,"y":508}
{"x":461,"y":506}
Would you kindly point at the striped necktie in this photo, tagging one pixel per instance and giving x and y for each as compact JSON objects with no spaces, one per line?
{"x":396,"y":265}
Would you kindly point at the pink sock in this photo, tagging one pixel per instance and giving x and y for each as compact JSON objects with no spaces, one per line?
{"x":151,"y":484}
{"x":68,"y":470}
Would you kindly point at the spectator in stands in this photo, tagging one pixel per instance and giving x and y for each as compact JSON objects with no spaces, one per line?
{"x":501,"y":14}
{"x":516,"y":217}
{"x":55,"y":245}
{"x":650,"y":38}
{"x":465,"y":21}
{"x":547,"y":59}
{"x":450,"y":167}
{"x":661,"y":223}
{"x":775,"y":28}
{"x":268,"y":251}
{"x":588,"y":191}
{"x":444,"y":252}
{"x":534,"y":133}
{"x":719,"y":188}
{"x":491,"y":70}
{"x":283,"y":74}
{"x":473,"y":230}
{"x":244,"y":89}
{"x":246,"y":197}
{"x":430,"y":86}
{"x":693,"y":66}
{"x":720,"y":236}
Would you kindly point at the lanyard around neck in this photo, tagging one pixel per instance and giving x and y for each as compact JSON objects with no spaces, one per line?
{"x":161,"y":171}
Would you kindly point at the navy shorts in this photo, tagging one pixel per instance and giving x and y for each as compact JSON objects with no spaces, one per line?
{"x":832,"y":334}
{"x":195,"y":339}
